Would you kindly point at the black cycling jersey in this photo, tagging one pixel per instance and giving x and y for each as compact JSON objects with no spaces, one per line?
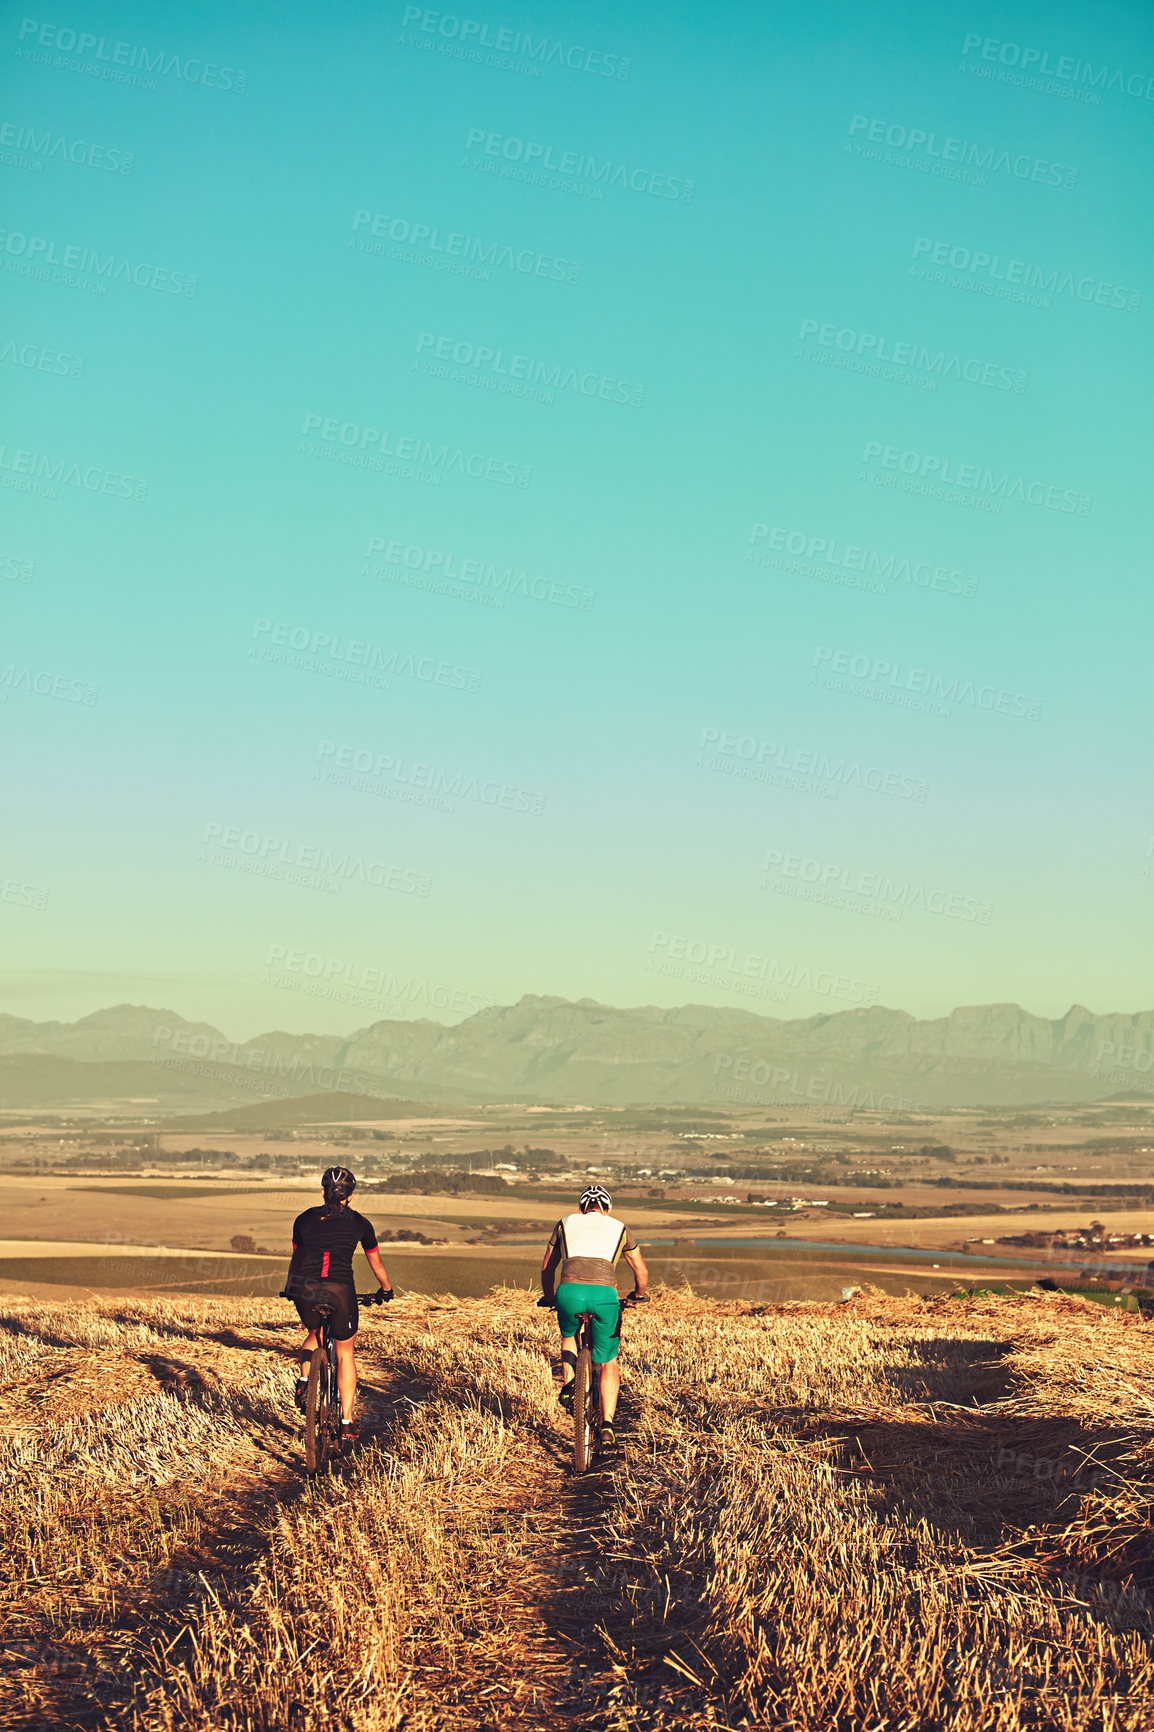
{"x":323,"y":1245}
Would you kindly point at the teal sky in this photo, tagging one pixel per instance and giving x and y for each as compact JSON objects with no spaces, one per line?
{"x":816,"y":344}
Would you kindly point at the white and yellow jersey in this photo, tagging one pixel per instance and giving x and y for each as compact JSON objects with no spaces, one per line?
{"x":590,"y":1247}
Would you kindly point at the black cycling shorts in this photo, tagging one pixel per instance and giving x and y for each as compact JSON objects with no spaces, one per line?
{"x":342,"y":1295}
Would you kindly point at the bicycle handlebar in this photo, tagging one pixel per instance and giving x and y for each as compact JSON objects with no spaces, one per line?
{"x":380,"y":1297}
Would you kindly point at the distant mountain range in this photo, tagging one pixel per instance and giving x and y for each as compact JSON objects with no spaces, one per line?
{"x":551,"y":1051}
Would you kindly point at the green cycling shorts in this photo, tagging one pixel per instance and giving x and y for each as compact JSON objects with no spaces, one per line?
{"x":604,"y":1303}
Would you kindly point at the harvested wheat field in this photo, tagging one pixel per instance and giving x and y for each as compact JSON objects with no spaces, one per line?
{"x":895,"y":1513}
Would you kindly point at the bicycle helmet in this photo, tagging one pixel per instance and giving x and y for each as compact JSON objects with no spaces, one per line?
{"x":338,"y":1184}
{"x":595,"y":1196}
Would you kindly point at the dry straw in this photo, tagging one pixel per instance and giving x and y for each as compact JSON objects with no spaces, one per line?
{"x":884,"y":1515}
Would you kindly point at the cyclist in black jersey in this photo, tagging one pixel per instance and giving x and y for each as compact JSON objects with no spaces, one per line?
{"x":324,"y":1241}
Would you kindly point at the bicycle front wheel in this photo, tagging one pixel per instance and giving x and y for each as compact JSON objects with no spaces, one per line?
{"x":584,"y":1416}
{"x":318,"y":1416}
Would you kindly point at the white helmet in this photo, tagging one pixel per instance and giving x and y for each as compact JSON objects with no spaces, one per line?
{"x":595,"y":1197}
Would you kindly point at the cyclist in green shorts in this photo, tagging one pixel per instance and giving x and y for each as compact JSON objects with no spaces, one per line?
{"x":579,"y":1273}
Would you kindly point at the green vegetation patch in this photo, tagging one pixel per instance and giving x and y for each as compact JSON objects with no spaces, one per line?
{"x":211,"y":1274}
{"x":1129,"y":1301}
{"x":195,"y":1272}
{"x":767,"y":1280}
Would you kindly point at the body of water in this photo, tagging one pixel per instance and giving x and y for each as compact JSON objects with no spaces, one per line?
{"x":792,"y":1248}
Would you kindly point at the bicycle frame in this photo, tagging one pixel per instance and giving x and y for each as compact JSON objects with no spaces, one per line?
{"x":323,"y":1401}
{"x":323,"y":1395}
{"x":586,"y":1397}
{"x":587,"y":1410}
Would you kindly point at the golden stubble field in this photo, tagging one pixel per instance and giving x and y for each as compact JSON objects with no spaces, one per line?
{"x":888,"y":1515}
{"x":98,"y":1210}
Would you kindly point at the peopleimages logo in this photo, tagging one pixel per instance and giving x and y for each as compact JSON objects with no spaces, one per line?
{"x":55,"y":147}
{"x":1038,"y":61}
{"x":14,"y":569}
{"x":37,"y":359}
{"x":500,"y":371}
{"x":956,"y":158}
{"x":829,"y":881}
{"x":991,"y":268}
{"x":889,"y":679}
{"x":269,"y":1062}
{"x":451,"y":245}
{"x":14,"y":890}
{"x":473,"y":34}
{"x":1124,"y":1057}
{"x":398,"y":777}
{"x":746,"y":965}
{"x":548,"y":158}
{"x":814,"y":1088}
{"x":368,"y":447}
{"x":972,"y":477}
{"x":749,"y":759}
{"x":328,"y":650}
{"x":437,"y":569}
{"x":36,"y":256}
{"x":36,"y":472}
{"x":827,"y":551}
{"x":115,"y":59}
{"x":41,"y":683}
{"x":334,"y":973}
{"x":940,"y":362}
{"x":280,"y":858}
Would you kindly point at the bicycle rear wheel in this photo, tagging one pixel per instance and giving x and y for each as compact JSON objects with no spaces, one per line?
{"x":584,"y":1414}
{"x":318,"y":1414}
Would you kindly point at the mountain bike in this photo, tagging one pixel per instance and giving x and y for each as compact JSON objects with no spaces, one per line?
{"x":322,"y":1397}
{"x":587,"y":1391}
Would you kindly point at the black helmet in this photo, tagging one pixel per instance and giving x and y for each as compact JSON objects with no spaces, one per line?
{"x":595,"y":1197}
{"x":338,"y":1184}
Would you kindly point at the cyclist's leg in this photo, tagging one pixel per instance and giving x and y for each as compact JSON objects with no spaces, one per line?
{"x":346,"y":1322}
{"x":302,"y":1299}
{"x":610,"y":1389}
{"x":606,"y":1342}
{"x":347,"y":1377}
{"x":569,"y":1308}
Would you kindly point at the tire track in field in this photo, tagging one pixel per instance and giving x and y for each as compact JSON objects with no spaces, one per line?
{"x":562,"y":1599}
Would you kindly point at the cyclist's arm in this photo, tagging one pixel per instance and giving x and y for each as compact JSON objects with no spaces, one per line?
{"x":640,"y":1273}
{"x":549,"y":1265}
{"x":378,"y":1268}
{"x":294,"y":1262}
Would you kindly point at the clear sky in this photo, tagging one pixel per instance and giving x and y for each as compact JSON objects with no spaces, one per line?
{"x":643,"y":503}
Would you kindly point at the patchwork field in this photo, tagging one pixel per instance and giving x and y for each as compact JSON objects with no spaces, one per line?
{"x":134,"y":1236}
